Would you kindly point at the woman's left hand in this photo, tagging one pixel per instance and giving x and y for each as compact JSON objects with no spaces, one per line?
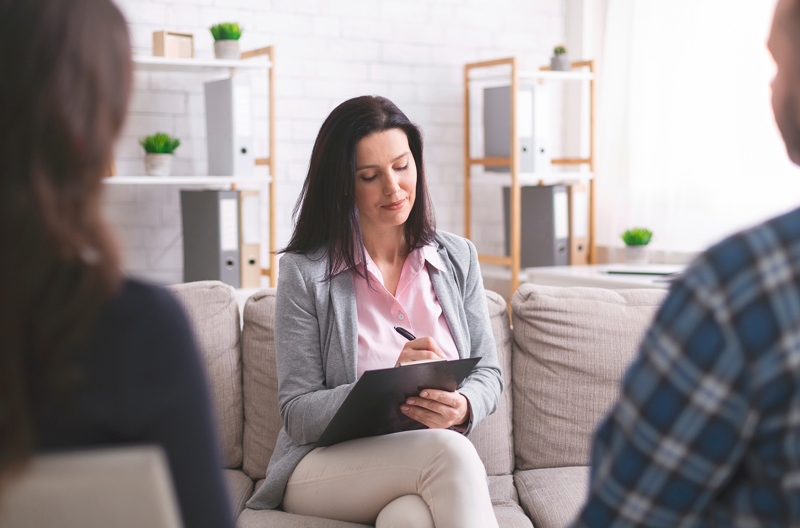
{"x":437,"y":409}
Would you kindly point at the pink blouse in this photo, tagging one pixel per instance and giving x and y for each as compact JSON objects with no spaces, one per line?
{"x":414,"y":307}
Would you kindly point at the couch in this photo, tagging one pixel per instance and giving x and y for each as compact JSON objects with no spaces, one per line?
{"x":562,"y":362}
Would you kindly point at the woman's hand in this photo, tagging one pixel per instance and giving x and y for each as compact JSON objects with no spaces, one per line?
{"x":437,"y":409}
{"x":420,"y":348}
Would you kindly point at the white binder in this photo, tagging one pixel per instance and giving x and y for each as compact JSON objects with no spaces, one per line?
{"x":229,"y":127}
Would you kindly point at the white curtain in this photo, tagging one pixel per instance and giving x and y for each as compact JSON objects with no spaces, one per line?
{"x":687,"y":144}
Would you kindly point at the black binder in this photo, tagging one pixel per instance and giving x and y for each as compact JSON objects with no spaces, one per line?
{"x":373,"y":406}
{"x":545,"y":225}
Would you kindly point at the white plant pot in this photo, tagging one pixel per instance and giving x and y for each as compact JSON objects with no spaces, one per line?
{"x":560,"y":63}
{"x":227,"y":49}
{"x":637,"y":254}
{"x":158,"y":164}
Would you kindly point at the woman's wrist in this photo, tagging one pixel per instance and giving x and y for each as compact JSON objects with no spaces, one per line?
{"x":463,"y":425}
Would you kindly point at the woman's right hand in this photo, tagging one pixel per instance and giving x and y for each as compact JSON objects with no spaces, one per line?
{"x":418,"y":349}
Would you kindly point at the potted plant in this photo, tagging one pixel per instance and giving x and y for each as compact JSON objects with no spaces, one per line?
{"x":226,"y":40}
{"x":560,"y":60}
{"x":159,"y":149}
{"x":636,"y":240}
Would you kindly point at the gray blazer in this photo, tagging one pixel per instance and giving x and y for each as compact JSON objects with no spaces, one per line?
{"x":316,"y":335}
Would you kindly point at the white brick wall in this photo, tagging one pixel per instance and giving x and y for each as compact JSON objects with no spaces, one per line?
{"x":411,"y":51}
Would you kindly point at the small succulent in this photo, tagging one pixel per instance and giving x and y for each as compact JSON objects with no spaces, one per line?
{"x":637,"y":236}
{"x":226,"y":31}
{"x":560,"y":50}
{"x":159,"y":143}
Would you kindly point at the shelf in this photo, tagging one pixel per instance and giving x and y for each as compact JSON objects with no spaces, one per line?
{"x":543,"y":75}
{"x":256,"y":60}
{"x":186,"y":180}
{"x":489,"y":73}
{"x":146,"y":62}
{"x":532,"y":178}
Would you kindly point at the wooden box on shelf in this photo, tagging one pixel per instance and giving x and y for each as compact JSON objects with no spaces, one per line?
{"x":173,"y":44}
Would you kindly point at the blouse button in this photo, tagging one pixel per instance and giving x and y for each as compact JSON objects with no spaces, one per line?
{"x":401,"y":317}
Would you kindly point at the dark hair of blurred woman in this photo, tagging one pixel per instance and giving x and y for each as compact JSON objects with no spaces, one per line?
{"x":326,"y":213}
{"x":66,"y":73}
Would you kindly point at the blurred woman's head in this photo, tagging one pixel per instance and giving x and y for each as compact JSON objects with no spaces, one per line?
{"x":327,"y":212}
{"x":66,"y":73}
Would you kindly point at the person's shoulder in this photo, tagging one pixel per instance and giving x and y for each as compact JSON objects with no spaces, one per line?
{"x":457,"y":246}
{"x":138,"y":300}
{"x":308,"y":263}
{"x":303,"y":271}
{"x":142,"y":314}
{"x":147,"y":329}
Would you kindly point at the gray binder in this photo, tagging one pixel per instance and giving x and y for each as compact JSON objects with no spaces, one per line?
{"x":229,"y":127}
{"x":545,"y":225}
{"x":533,"y":126}
{"x":211,"y":236}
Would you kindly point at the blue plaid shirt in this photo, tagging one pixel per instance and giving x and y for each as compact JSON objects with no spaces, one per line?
{"x":707,"y":429}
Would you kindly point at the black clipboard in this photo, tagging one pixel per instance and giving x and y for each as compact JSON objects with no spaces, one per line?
{"x":373,"y":406}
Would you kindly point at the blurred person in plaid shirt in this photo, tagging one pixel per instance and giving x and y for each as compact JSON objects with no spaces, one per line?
{"x":707,"y":428}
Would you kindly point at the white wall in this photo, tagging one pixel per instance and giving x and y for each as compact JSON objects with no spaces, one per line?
{"x":411,"y":51}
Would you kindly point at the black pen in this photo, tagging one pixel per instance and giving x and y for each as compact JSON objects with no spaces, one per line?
{"x":405,"y":333}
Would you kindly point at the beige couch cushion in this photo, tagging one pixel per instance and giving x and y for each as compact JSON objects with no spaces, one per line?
{"x":571,"y":348}
{"x":511,"y":515}
{"x":501,"y":489}
{"x":493,"y":437}
{"x":553,"y":497}
{"x":214,"y":315}
{"x":262,"y":422}
{"x":505,"y":502}
{"x":240,"y":488}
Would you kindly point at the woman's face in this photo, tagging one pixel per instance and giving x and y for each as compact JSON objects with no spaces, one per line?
{"x":386,"y":180}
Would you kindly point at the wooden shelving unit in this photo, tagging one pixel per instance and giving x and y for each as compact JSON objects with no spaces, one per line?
{"x":581,"y":71}
{"x":258,"y":59}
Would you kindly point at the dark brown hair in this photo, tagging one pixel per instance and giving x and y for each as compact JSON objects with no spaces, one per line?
{"x":66,"y":72}
{"x":326,"y":214}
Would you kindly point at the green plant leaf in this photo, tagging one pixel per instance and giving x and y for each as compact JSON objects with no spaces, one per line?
{"x":560,"y":50}
{"x":159,"y":143}
{"x":226,"y":31}
{"x":637,"y":236}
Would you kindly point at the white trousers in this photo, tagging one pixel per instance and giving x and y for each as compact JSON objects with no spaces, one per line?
{"x":420,"y":479}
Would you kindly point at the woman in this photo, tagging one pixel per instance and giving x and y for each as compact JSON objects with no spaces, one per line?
{"x":365,"y":257}
{"x":87,"y":358}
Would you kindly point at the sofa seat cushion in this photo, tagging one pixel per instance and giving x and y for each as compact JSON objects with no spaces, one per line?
{"x":501,"y":489}
{"x":493,"y":438}
{"x":505,"y":502}
{"x":552,"y":497}
{"x":214,"y":315}
{"x":240,"y":488}
{"x":571,"y":348}
{"x":510,"y":515}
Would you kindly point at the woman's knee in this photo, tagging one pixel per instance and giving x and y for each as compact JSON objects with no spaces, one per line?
{"x":457,"y":452}
{"x":408,"y":511}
